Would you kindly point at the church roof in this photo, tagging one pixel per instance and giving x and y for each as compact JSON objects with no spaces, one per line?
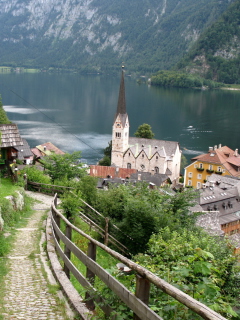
{"x":165,"y":149}
{"x":121,"y":107}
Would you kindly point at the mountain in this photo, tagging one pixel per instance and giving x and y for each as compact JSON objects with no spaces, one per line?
{"x":94,"y":35}
{"x":216,"y":54}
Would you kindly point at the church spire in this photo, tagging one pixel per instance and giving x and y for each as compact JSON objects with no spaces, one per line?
{"x":121,"y":107}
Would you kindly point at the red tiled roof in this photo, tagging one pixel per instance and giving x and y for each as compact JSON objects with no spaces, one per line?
{"x":103,"y":172}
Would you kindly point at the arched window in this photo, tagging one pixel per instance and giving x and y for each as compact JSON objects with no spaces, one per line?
{"x":129,"y":165}
{"x":142,"y":166}
{"x":156,"y":169}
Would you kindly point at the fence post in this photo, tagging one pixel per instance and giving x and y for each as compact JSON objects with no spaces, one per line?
{"x":92,"y":249}
{"x":67,"y":251}
{"x":106,"y":231}
{"x":142,"y":291}
{"x":56,"y":217}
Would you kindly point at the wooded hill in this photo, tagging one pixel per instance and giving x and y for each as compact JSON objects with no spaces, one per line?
{"x":96,"y":36}
{"x":215,"y":55}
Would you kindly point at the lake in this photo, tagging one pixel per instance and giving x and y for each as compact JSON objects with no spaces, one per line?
{"x":76,"y":112}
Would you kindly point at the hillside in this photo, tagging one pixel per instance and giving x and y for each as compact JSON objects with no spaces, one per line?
{"x":215,"y":55}
{"x":93,"y":35}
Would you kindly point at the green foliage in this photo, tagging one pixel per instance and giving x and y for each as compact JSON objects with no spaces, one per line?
{"x":3,"y":116}
{"x":197,"y":263}
{"x":184,"y":163}
{"x":105,"y":161}
{"x":35,"y":174}
{"x":181,"y":80}
{"x":144,"y":131}
{"x":140,"y":212}
{"x":217,"y":48}
{"x":148,"y":43}
{"x":66,"y":166}
{"x":88,"y":188}
{"x":71,"y":204}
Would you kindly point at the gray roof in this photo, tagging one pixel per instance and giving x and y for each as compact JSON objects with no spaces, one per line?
{"x":24,"y":150}
{"x":163,"y":148}
{"x":10,"y":136}
{"x":157,"y":179}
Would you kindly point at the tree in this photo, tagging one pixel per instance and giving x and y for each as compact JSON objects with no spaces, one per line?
{"x":144,"y":131}
{"x":106,"y":160}
{"x":197,"y":263}
{"x":64,"y":166}
{"x":3,"y":116}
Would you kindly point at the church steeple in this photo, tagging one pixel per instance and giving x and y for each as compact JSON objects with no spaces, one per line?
{"x":121,"y":106}
{"x":120,"y":132}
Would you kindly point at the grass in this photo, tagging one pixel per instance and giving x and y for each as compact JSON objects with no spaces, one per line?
{"x":7,"y":187}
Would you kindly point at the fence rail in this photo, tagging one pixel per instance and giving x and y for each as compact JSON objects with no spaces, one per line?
{"x":136,"y":302}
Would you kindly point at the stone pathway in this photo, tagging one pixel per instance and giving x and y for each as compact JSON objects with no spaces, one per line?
{"x":31,"y":291}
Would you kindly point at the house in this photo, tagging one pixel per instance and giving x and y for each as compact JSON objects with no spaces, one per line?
{"x":145,"y":155}
{"x":24,"y":152}
{"x":219,"y":160}
{"x":219,"y":201}
{"x":10,"y":141}
{"x":45,"y":149}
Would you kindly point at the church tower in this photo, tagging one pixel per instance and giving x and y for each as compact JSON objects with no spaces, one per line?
{"x":120,"y":131}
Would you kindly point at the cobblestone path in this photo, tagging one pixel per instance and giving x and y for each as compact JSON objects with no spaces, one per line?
{"x":30,"y":290}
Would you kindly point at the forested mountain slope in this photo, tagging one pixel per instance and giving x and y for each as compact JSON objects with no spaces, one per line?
{"x":216,"y":55}
{"x":95,"y":35}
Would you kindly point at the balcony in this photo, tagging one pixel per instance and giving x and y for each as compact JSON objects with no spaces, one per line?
{"x":200,"y":169}
{"x":209,"y":171}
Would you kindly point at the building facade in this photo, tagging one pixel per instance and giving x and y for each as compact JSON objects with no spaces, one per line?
{"x":219,"y":160}
{"x":145,"y":155}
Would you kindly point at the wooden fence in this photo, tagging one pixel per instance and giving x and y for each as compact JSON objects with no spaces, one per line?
{"x":137,"y":302}
{"x":46,"y":188}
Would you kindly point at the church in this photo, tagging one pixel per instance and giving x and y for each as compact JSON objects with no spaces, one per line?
{"x":144,"y":155}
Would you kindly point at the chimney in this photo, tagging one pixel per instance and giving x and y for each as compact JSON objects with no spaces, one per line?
{"x":215,"y":147}
{"x":220,"y":146}
{"x":236,"y":152}
{"x":210,"y":149}
{"x":44,"y":148}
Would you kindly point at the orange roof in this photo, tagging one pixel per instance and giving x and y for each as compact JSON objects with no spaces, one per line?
{"x":47,"y":147}
{"x":104,"y":171}
{"x":222,"y":156}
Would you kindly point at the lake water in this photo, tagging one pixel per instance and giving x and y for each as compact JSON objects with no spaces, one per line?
{"x":76,"y":112}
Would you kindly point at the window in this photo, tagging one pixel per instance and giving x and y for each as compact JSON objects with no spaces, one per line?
{"x":156,"y":169}
{"x":210,"y":167}
{"x":219,"y":169}
{"x":199,"y":176}
{"x":189,"y":174}
{"x":200,"y":165}
{"x":142,"y":155}
{"x":156,"y":157}
{"x":118,"y":134}
{"x":198,"y":185}
{"x":129,"y":154}
{"x":195,"y":166}
{"x":142,"y":166}
{"x":189,"y":182}
{"x":129,"y":165}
